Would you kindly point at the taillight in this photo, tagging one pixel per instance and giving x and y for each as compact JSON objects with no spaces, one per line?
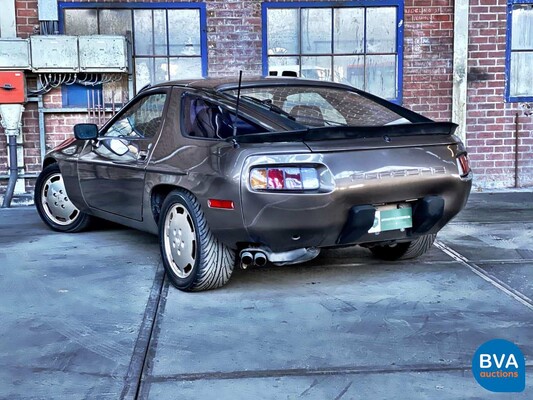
{"x":463,"y":164}
{"x":284,"y":178}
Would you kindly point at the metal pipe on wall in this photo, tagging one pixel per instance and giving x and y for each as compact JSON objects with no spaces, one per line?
{"x":13,"y":170}
{"x":516,"y":144}
{"x":42,"y":130}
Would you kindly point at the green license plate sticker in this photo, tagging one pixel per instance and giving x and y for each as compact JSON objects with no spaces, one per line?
{"x":389,"y":220}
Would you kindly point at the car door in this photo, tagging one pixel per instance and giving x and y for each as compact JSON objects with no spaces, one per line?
{"x":112,"y":168}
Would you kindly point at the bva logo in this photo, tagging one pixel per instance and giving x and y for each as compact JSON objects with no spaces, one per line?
{"x":499,"y":366}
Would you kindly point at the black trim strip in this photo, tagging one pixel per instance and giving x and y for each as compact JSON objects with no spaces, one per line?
{"x":351,"y":132}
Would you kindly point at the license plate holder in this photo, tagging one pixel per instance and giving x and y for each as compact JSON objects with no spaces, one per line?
{"x":392,"y":217}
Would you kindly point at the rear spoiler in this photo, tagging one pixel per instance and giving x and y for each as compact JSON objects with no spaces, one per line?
{"x":350,"y":132}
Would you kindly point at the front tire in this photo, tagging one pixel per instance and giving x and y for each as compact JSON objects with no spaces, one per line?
{"x":404,"y":251}
{"x":193,"y":258}
{"x":53,"y":204}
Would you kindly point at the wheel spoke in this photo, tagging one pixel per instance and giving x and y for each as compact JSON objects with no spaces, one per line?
{"x":56,"y":204}
{"x":180,"y":241}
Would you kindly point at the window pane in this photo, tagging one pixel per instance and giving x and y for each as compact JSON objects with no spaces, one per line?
{"x":521,"y":74}
{"x":316,"y":30}
{"x":283,"y":66}
{"x":161,"y":70}
{"x":147,"y":118}
{"x":142,"y":120}
{"x":282,"y":31}
{"x":337,"y":106}
{"x":160,"y":33}
{"x":81,"y":22}
{"x":143,"y":32}
{"x":522,"y":29}
{"x":312,"y":109}
{"x":349,"y":32}
{"x":185,"y":67}
{"x":381,"y":76}
{"x":115,"y":22}
{"x":184,"y":32}
{"x":144,"y":72}
{"x":350,"y":70}
{"x":208,"y":120}
{"x":316,"y":68}
{"x":381,"y":30}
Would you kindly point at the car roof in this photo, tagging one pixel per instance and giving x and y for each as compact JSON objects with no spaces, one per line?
{"x":228,"y":83}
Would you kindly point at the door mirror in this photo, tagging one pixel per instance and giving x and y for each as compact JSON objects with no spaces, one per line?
{"x":85,"y":131}
{"x":117,"y":146}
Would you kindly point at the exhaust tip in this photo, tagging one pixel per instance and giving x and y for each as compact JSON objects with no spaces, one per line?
{"x":260,"y":259}
{"x":247,"y":259}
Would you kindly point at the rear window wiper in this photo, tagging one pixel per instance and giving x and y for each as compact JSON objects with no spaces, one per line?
{"x":271,"y":106}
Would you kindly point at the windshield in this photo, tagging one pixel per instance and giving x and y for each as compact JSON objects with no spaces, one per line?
{"x":322,"y":106}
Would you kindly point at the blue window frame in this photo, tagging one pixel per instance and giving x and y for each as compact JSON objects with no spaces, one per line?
{"x":519,"y":51}
{"x":168,"y":39}
{"x":354,"y":42}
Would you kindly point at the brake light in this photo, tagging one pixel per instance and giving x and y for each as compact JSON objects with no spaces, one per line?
{"x":463,"y":163}
{"x":284,"y":178}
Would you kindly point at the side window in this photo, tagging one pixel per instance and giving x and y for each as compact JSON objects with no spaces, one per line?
{"x":205,"y":119}
{"x":142,"y":120}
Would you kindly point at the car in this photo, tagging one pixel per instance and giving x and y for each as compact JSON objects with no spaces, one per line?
{"x":266,"y":170}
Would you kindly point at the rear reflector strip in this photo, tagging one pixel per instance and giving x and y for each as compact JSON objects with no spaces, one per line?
{"x":223,"y":204}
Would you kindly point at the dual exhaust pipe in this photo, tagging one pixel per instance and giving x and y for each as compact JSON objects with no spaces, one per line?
{"x":253,"y":257}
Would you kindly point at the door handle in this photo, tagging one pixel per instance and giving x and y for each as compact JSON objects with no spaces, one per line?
{"x":141,"y":155}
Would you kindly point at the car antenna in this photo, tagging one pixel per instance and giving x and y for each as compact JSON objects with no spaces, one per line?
{"x":237,"y":105}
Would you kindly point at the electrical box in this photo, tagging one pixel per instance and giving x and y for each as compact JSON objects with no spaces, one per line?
{"x":102,"y":53}
{"x":54,"y":53}
{"x":14,"y":53}
{"x":12,"y":87}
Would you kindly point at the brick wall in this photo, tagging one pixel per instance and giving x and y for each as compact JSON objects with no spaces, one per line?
{"x":428,"y":55}
{"x":234,"y":37}
{"x":491,"y":122}
{"x":27,"y":18}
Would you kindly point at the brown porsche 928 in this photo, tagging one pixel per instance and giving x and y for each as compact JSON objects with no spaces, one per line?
{"x":272,"y":172}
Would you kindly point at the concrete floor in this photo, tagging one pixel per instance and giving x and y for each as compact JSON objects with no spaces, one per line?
{"x":90,"y":315}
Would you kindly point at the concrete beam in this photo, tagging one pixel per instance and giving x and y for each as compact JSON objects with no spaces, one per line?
{"x":7,"y":19}
{"x":460,"y":65}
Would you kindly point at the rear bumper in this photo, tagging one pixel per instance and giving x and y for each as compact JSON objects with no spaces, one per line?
{"x":282,"y":227}
{"x":426,"y":213}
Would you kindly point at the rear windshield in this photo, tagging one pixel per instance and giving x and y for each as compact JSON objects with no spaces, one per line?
{"x":321,"y":106}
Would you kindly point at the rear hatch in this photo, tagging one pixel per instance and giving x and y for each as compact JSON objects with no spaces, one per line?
{"x":389,"y":168}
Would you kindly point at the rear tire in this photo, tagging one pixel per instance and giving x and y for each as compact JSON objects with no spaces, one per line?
{"x":404,"y":251}
{"x":193,"y":258}
{"x":53,"y":204}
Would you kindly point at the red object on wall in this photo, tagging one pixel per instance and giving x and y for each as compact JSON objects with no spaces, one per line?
{"x":12,"y":87}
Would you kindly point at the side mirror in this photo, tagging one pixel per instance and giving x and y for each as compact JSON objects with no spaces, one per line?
{"x":85,"y":131}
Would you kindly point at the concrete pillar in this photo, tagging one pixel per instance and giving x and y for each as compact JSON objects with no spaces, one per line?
{"x":460,"y":65}
{"x":7,"y":19}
